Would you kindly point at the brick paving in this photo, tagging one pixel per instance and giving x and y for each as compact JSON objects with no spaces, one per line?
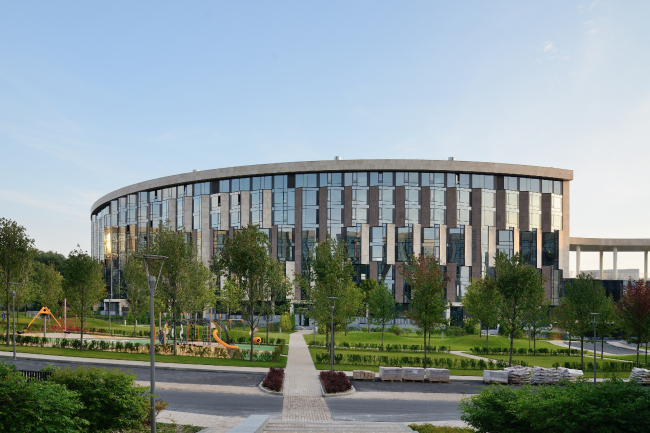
{"x":303,"y":400}
{"x":222,"y":423}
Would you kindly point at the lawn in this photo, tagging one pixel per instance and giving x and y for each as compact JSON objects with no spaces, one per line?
{"x":98,"y":354}
{"x":464,"y":343}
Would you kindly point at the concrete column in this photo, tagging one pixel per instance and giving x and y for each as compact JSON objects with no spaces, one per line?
{"x":601,"y":264}
{"x":645,"y":265}
{"x":577,"y":260}
{"x":615,"y":263}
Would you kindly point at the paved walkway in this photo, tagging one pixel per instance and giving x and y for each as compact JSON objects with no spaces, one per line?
{"x":303,"y":399}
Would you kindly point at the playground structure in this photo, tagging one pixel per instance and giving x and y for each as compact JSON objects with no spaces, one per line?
{"x":215,"y":334}
{"x":45,"y":312}
{"x":256,"y":340}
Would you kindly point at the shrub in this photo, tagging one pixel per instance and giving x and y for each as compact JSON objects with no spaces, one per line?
{"x":31,"y":406}
{"x":112,"y":401}
{"x":395,"y":330}
{"x":610,"y":406}
{"x":274,"y":379}
{"x":335,"y":381}
{"x":428,"y":428}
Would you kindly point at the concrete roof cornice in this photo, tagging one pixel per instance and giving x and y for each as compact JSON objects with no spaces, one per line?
{"x":337,"y":165}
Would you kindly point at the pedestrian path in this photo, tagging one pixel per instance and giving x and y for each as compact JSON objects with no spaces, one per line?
{"x":278,"y":426}
{"x":303,"y":400}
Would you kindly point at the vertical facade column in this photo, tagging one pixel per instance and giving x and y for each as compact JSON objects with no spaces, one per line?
{"x":601,"y":264}
{"x":577,"y":260}
{"x":615,"y":263}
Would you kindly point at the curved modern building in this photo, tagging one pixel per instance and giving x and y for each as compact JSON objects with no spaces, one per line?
{"x":385,"y":210}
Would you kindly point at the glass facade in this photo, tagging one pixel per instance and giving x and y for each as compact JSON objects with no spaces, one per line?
{"x":383,"y":217}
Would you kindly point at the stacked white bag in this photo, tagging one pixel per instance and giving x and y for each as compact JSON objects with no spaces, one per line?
{"x":518,"y":375}
{"x":437,"y":375}
{"x":544,"y":375}
{"x":567,"y":373}
{"x":640,"y":375}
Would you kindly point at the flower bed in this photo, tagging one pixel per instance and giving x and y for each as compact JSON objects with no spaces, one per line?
{"x":274,"y":379}
{"x":335,"y":381}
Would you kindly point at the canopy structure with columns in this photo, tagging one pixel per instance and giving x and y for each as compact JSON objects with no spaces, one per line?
{"x":614,"y":245}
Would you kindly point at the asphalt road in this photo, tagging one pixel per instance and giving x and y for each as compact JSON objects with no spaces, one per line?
{"x":454,"y":387}
{"x":392,"y":410}
{"x":209,"y":403}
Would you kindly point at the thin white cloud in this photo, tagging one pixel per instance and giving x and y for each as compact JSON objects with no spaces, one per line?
{"x":61,"y":208}
{"x":549,"y":47}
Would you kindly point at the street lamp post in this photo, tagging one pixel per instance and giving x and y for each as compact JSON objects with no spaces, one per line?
{"x":153,"y":281}
{"x":13,"y":316}
{"x":594,"y":316}
{"x":333,"y":298}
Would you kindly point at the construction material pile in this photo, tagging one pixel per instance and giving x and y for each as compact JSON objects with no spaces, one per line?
{"x":567,"y":373}
{"x":437,"y":375}
{"x":495,"y":376}
{"x":413,"y":373}
{"x":640,"y":375}
{"x":544,"y":376}
{"x":518,"y":375}
{"x":390,"y":373}
{"x":363,"y":375}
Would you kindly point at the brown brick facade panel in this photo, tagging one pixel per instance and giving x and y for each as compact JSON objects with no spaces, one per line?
{"x":399,"y":284}
{"x":373,"y":206}
{"x":399,"y":206}
{"x":297,"y":236}
{"x":501,"y":209}
{"x":425,"y":206}
{"x":451,"y":284}
{"x":452,"y":208}
{"x":547,"y":272}
{"x":524,"y":211}
{"x":546,"y":212}
{"x":322,"y":213}
{"x":347,"y":206}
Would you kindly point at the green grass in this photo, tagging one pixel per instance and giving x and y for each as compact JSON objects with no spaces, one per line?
{"x":97,"y":354}
{"x":428,"y":428}
{"x":464,"y":343}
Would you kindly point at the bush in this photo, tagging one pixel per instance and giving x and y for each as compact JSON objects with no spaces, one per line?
{"x":335,"y":381}
{"x":611,"y":406}
{"x":274,"y":379}
{"x":34,"y":406}
{"x":112,"y":401}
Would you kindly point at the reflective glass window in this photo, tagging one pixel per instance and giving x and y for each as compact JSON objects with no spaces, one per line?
{"x":547,"y":186}
{"x":463,"y":180}
{"x":510,"y":182}
{"x":309,"y":198}
{"x":224,"y":185}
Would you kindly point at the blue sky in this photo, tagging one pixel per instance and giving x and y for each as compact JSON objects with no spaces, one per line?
{"x":95,"y":96}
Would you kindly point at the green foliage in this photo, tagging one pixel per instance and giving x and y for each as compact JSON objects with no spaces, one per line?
{"x":48,"y":284}
{"x":612,"y":406}
{"x":634,"y":312}
{"x":286,"y":324}
{"x":481,"y":301}
{"x":35,"y":406}
{"x":137,"y":288}
{"x":111,"y":399}
{"x":381,"y":304}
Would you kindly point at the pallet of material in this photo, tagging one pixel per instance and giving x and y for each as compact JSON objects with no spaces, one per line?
{"x":363,"y":375}
{"x":390,"y":373}
{"x":640,"y":375}
{"x":437,"y":375}
{"x":495,"y":376}
{"x":567,"y":373}
{"x":518,"y":375}
{"x":543,"y":376}
{"x":413,"y":373}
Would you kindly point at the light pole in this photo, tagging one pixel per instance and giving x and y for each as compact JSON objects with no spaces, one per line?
{"x":13,"y":315}
{"x":594,"y":316}
{"x":333,"y":298}
{"x":153,"y":281}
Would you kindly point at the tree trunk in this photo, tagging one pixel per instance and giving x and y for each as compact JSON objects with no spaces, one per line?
{"x":267,"y":330}
{"x":602,"y":346}
{"x":425,"y":349}
{"x":383,"y":325}
{"x":81,"y":346}
{"x":512,"y":339}
{"x":327,"y":336}
{"x":569,"y":344}
{"x":174,"y":329}
{"x":7,"y":304}
{"x":252,"y":333}
{"x":429,"y":338}
{"x":637,"y":350}
{"x":582,"y":355}
{"x":534,"y":343}
{"x":487,"y":340}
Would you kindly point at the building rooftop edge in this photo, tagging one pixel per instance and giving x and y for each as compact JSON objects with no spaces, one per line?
{"x":337,"y":165}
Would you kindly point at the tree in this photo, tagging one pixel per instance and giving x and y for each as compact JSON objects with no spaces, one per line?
{"x":50,"y":257}
{"x":246,"y":257}
{"x":582,"y":296}
{"x":137,"y":288}
{"x":16,"y":253}
{"x":329,"y":275}
{"x":634,"y":312}
{"x":367,"y":287}
{"x":183,"y":276}
{"x":428,"y":301}
{"x":607,"y":323}
{"x":536,"y":319}
{"x":83,"y":284}
{"x":521,"y":288}
{"x":481,"y":301}
{"x":48,"y":283}
{"x":228,"y":299}
{"x":280,"y":290}
{"x":381,"y":305}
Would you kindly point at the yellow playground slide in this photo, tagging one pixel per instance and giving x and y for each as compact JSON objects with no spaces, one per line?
{"x":215,"y":334}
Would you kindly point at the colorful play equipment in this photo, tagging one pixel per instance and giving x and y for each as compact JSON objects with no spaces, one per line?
{"x":215,"y":334}
{"x":45,"y":311}
{"x":256,"y":340}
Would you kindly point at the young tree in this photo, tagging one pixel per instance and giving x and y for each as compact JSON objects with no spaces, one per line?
{"x":351,"y":307}
{"x":428,"y":301}
{"x":16,"y":254}
{"x":83,"y":284}
{"x":280,"y":291}
{"x":246,"y":257}
{"x":582,"y":296}
{"x":520,"y":288}
{"x":330,"y":275}
{"x":381,"y":304}
{"x":183,"y":276}
{"x":634,"y":312}
{"x":536,"y":319}
{"x":481,"y":301}
{"x":137,"y":288}
{"x":50,"y":258}
{"x":367,"y":287}
{"x":607,"y":322}
{"x":48,"y":284}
